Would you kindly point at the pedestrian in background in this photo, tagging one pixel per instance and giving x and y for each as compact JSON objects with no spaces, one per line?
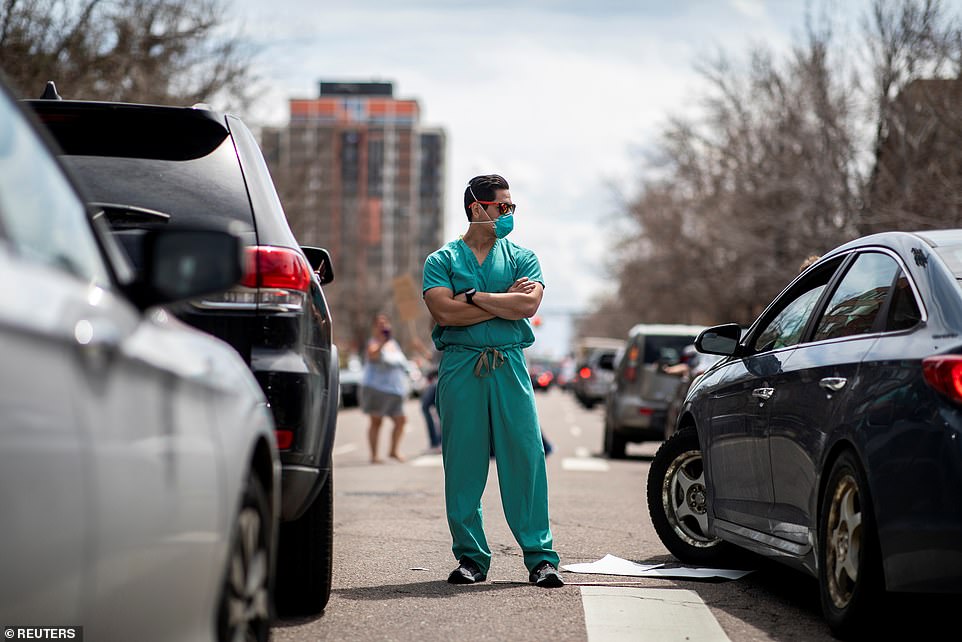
{"x":384,"y":386}
{"x":429,"y":408}
{"x":481,"y":291}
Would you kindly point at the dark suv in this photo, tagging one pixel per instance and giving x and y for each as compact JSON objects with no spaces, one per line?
{"x":146,"y":167}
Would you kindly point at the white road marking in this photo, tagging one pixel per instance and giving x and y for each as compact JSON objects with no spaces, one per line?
{"x":343,"y":450}
{"x":584,"y":464}
{"x":615,"y":614}
{"x":576,"y":431}
{"x":433,"y":461}
{"x":582,"y":452}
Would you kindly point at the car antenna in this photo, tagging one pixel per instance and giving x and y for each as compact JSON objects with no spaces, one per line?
{"x":50,"y":92}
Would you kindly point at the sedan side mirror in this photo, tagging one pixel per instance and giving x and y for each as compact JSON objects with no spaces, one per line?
{"x":180,"y":264}
{"x":720,"y":339}
{"x":320,"y":260}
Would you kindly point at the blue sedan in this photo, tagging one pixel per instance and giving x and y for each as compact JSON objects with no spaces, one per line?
{"x":830,"y":435}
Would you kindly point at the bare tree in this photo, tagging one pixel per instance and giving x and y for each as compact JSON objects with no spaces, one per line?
{"x":915,"y":99}
{"x":154,"y":51}
{"x":779,"y":166}
{"x":743,"y":194}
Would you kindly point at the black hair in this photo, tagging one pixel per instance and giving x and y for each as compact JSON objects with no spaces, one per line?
{"x":484,"y":188}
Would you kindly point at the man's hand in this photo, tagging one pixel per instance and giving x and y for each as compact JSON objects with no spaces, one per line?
{"x":522,"y":285}
{"x":521,"y":300}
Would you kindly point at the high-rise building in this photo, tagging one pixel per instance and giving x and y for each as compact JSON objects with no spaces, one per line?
{"x":359,"y":175}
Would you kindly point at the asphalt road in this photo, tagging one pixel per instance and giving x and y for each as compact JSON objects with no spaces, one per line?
{"x":392,"y":555}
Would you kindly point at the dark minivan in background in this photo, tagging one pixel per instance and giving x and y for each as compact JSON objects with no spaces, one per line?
{"x":146,"y":167}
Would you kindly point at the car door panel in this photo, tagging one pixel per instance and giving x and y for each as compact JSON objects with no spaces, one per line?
{"x":739,"y":464}
{"x":817,"y":386}
{"x":155,"y":478}
{"x":44,"y":448}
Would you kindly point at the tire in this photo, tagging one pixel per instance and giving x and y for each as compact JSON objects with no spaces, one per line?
{"x":305,"y":558}
{"x":243,"y":611}
{"x":678,"y":502}
{"x":850,"y":578}
{"x":614,"y":446}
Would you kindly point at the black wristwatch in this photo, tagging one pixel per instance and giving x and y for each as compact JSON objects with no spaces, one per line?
{"x":469,"y":295}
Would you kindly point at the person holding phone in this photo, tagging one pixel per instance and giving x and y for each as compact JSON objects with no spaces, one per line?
{"x":384,"y":385}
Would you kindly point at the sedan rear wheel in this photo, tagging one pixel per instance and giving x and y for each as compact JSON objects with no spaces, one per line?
{"x":850,"y":577}
{"x":244,"y":610}
{"x":678,"y":501}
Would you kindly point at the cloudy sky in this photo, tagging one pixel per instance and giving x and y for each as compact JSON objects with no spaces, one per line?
{"x":561,"y":97}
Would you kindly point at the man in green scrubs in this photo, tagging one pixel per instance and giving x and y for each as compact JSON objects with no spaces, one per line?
{"x":481,"y":291}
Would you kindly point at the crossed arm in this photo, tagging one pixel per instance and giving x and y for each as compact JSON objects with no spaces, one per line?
{"x":521,"y":301}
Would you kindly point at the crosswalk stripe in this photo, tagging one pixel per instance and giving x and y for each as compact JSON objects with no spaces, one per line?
{"x":584,"y":464}
{"x":433,"y":461}
{"x":616,"y":614}
{"x":343,"y":450}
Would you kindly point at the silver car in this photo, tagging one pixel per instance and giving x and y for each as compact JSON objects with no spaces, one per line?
{"x":138,"y":469}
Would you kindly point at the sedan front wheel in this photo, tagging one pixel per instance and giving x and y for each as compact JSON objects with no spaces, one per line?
{"x":244,"y":610}
{"x":678,"y":501}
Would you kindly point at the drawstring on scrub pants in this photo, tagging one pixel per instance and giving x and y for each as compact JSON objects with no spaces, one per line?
{"x":484,"y":366}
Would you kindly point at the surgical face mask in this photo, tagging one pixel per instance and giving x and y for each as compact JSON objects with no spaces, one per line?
{"x":502,"y":225}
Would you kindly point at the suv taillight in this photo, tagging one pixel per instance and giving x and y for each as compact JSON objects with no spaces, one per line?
{"x":276,"y":279}
{"x":944,"y":374}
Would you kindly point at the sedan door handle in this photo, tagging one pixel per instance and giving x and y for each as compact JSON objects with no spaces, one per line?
{"x":763,"y":393}
{"x":833,"y":383}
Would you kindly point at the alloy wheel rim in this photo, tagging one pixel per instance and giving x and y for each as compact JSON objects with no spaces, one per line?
{"x":684,"y":497}
{"x":844,"y":545}
{"x":247,"y":591}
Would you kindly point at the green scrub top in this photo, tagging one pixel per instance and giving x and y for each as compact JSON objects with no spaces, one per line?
{"x":454,"y":266}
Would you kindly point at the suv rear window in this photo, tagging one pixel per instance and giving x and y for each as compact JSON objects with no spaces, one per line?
{"x":654,"y":344}
{"x":177,"y":161}
{"x":190,"y":191}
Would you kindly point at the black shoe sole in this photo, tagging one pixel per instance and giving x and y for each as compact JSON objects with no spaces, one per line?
{"x":551,"y":581}
{"x":460,"y":578}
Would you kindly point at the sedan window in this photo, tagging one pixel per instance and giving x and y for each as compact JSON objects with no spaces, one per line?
{"x":904,"y":310}
{"x":786,"y":319}
{"x":856,"y":302}
{"x":787,"y":327}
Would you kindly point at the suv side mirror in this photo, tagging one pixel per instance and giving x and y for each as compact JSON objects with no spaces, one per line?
{"x":720,"y":339}
{"x":183,"y":263}
{"x":320,"y":260}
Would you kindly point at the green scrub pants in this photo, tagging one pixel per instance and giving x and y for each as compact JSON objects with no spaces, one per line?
{"x":484,"y":402}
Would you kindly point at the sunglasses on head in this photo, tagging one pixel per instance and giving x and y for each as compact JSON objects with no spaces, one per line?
{"x":504,"y":208}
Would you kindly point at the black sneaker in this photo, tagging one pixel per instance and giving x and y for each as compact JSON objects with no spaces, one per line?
{"x":467,"y":573}
{"x":546,"y":575}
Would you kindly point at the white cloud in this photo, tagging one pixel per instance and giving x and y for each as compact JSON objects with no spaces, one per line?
{"x":750,"y":8}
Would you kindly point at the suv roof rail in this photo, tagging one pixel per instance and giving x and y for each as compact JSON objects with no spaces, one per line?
{"x":50,"y":92}
{"x":202,"y":106}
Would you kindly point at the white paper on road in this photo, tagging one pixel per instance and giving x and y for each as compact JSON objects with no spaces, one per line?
{"x":612,"y":565}
{"x":697,"y":573}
